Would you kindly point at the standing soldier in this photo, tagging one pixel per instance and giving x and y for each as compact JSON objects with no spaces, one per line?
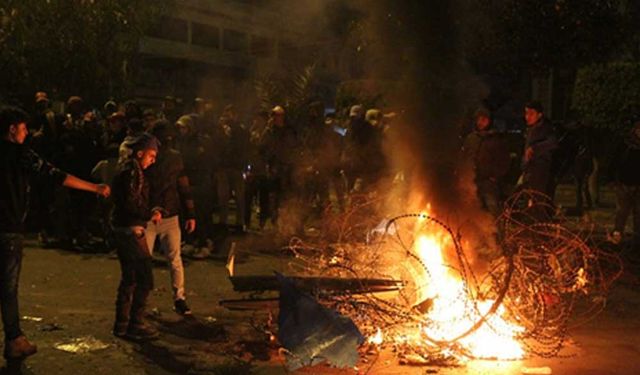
{"x":17,"y":164}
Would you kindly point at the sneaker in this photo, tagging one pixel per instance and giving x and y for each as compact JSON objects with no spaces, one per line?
{"x":143,"y":332}
{"x":181,"y":307}
{"x":19,"y":348}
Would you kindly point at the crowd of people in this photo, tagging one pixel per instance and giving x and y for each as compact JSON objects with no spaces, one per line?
{"x":160,"y":175}
{"x":166,"y":178}
{"x":231,"y":170}
{"x":549,"y":154}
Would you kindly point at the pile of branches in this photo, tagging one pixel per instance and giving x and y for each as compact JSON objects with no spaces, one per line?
{"x":545,"y":278}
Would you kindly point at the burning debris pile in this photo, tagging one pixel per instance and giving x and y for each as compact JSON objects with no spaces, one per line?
{"x":543,"y":280}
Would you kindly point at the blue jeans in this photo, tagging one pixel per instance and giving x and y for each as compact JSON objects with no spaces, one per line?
{"x":10,"y":262}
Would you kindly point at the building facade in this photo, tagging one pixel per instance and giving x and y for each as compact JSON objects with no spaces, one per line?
{"x":215,"y":49}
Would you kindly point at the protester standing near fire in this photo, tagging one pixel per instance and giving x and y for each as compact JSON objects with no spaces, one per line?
{"x":169,"y":188}
{"x":488,"y":152}
{"x":280,"y":149}
{"x":231,"y":142}
{"x":540,"y":145}
{"x":130,"y":216}
{"x":18,"y":164}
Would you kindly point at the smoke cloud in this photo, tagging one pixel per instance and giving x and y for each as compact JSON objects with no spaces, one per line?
{"x":420,"y":45}
{"x":416,"y":51}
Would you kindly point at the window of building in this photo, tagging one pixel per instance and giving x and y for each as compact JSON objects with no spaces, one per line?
{"x":286,"y":51}
{"x":234,"y":41}
{"x":170,"y":28}
{"x":261,"y":46}
{"x":205,"y":35}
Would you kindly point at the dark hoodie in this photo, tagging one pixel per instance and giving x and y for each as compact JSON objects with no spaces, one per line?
{"x":18,"y":163}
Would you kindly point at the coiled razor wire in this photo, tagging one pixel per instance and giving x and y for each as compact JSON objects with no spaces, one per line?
{"x":546,"y":278}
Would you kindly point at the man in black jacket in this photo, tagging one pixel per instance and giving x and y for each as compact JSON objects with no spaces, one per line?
{"x":130,"y":216}
{"x":624,"y":173}
{"x":19,"y":163}
{"x":540,"y":145}
{"x":281,"y":150}
{"x":231,"y":142}
{"x":488,"y":152}
{"x":537,"y":164}
{"x":169,"y":189}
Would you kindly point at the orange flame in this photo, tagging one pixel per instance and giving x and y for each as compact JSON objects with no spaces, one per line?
{"x":376,"y":339}
{"x":453,"y":313}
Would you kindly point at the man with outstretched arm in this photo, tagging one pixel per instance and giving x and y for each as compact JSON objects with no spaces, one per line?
{"x":18,"y":164}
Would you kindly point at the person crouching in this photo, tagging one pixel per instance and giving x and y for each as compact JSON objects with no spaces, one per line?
{"x":130,"y":216}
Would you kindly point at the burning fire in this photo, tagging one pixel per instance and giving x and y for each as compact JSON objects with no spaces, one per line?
{"x":450,"y":312}
{"x":376,"y":339}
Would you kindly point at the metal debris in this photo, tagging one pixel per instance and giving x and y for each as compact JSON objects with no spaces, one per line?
{"x":81,"y":345}
{"x":312,"y":333}
{"x":543,"y":272}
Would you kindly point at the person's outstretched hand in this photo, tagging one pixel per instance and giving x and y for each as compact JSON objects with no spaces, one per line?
{"x":103,"y":190}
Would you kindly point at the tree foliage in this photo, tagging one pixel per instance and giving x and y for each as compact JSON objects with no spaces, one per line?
{"x":294,"y":91}
{"x":83,"y":47}
{"x":608,"y":95}
{"x":515,"y":36}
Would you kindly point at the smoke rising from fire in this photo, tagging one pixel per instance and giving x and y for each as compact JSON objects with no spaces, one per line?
{"x":417,"y":49}
{"x":420,"y":45}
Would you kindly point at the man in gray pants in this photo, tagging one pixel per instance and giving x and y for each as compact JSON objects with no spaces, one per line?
{"x":169,"y":188}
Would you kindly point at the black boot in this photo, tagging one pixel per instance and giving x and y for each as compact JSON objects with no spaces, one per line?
{"x":124,"y":301}
{"x":138,"y":329}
